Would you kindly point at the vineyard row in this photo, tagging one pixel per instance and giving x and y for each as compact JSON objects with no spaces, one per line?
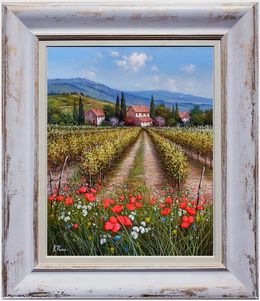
{"x":174,"y":161}
{"x":200,"y":143}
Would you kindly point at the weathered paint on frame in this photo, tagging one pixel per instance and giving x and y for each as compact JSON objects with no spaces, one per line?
{"x":236,"y":25}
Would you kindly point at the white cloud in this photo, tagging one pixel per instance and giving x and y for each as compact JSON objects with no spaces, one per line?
{"x":155,"y":78}
{"x":189,"y":68}
{"x":114,"y":53}
{"x":154,"y":68}
{"x":134,"y":61}
{"x":88,"y":74}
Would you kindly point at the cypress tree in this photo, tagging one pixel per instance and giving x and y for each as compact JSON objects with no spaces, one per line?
{"x":81,"y":117}
{"x":152,"y":108}
{"x":173,"y":111}
{"x":177,"y":115}
{"x":75,"y":112}
{"x":123,"y":108}
{"x":117,"y":109}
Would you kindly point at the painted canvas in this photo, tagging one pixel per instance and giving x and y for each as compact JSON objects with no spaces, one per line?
{"x":130,"y":151}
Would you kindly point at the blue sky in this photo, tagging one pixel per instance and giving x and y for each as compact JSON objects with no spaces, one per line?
{"x":187,"y":70}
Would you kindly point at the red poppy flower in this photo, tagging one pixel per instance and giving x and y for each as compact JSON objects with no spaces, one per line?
{"x":138,"y":205}
{"x":191,"y":219}
{"x":190,"y":211}
{"x":108,"y":226}
{"x":168,"y":200}
{"x":132,"y":200}
{"x":82,"y":189}
{"x":121,"y":197}
{"x":75,"y":226}
{"x":199,"y":207}
{"x":152,"y":201}
{"x":98,"y":187}
{"x":130,"y":207}
{"x":60,"y":198}
{"x":117,"y":209}
{"x":185,"y":225}
{"x":185,"y":219}
{"x":52,"y":197}
{"x":112,"y":219}
{"x":68,"y":201}
{"x":116,"y":227}
{"x":127,"y":221}
{"x":161,"y":205}
{"x":139,"y":197}
{"x":89,"y":197}
{"x":107,"y":202}
{"x":93,"y":190}
{"x":121,"y":219}
{"x":124,"y":220}
{"x":165,"y":211}
{"x":183,"y":205}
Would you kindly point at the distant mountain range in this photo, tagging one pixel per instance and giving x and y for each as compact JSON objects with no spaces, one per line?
{"x":103,"y":92}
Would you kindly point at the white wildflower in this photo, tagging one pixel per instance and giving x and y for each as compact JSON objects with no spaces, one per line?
{"x":146,"y":230}
{"x":103,"y":240}
{"x":132,"y":218}
{"x":67,"y":218}
{"x":134,"y":234}
{"x":136,"y":229}
{"x":84,"y":212}
{"x":78,"y":206}
{"x":143,"y":224}
{"x":142,"y":229}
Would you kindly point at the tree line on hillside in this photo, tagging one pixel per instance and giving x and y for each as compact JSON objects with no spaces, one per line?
{"x":116,"y":115}
{"x":57,"y":116}
{"x":164,"y":116}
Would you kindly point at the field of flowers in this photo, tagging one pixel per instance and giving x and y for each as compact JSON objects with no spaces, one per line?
{"x":170,"y":224}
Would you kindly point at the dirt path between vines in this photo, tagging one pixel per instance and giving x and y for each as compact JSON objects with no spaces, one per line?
{"x":194,"y":172}
{"x":153,"y":173}
{"x":121,"y":171}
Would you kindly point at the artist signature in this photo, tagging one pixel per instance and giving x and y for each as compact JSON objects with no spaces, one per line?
{"x":58,"y":248}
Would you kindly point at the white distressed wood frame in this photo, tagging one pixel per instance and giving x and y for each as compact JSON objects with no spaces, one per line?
{"x":235,"y":24}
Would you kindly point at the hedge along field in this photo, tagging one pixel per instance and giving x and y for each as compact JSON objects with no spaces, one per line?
{"x":86,"y":219}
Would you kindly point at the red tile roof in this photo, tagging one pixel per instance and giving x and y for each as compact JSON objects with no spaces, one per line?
{"x":140,"y":109}
{"x":145,"y":119}
{"x":97,"y":112}
{"x":184,"y":114}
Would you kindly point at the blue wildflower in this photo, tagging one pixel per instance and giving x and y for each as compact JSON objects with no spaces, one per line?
{"x":116,"y":238}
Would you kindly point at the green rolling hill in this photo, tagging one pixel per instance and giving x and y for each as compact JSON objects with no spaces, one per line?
{"x":65,"y":102}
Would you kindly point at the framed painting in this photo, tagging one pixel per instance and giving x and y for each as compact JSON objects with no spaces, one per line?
{"x":130,"y":150}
